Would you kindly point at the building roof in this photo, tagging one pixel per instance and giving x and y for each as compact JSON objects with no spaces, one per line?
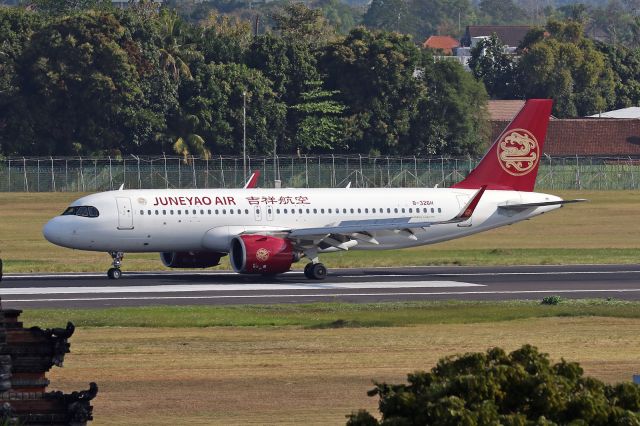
{"x":631,"y":112}
{"x":504,"y":110}
{"x":444,"y":43}
{"x":511,"y":35}
{"x":587,"y":137}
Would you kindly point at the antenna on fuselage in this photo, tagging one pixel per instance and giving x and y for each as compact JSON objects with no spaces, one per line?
{"x":121,"y":187}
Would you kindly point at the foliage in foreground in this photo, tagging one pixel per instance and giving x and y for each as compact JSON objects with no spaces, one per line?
{"x":521,"y":388}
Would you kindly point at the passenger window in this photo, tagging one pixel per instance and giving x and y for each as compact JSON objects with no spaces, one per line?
{"x":410,"y":210}
{"x":194,"y":211}
{"x":315,"y":211}
{"x":344,"y":210}
{"x":277,"y":211}
{"x":157,"y":212}
{"x":300,"y":211}
{"x":395,"y":210}
{"x":230,"y":211}
{"x":171,"y":211}
{"x":149,"y":212}
{"x":239,"y":211}
{"x":373,"y":210}
{"x":224,"y":211}
{"x":285,"y":211}
{"x":322,"y":211}
{"x":359,"y":211}
{"x":217,"y":211}
{"x":351,"y":210}
{"x":403,"y":210}
{"x":208,"y":211}
{"x":164,"y":212}
{"x":141,"y":213}
{"x":307,"y":211}
{"x":439,"y":210}
{"x":432,"y":210}
{"x":269,"y":210}
{"x":179,"y":211}
{"x":329,"y":211}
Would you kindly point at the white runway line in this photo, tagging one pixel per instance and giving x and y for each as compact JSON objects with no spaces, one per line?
{"x":132,"y":275}
{"x":234,"y":287}
{"x":319,"y":295}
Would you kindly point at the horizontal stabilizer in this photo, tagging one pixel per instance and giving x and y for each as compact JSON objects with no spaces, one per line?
{"x":520,"y":207}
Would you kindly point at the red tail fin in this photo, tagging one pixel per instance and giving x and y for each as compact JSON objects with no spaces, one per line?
{"x":512,"y":161}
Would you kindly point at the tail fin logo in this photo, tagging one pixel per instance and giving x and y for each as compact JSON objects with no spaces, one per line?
{"x":518,"y":152}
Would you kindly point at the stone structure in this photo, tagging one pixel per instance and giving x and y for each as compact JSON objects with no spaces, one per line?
{"x":26,"y":355}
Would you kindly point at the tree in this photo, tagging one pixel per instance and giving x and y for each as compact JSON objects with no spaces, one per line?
{"x":290,"y":65}
{"x":496,"y":68}
{"x":83,"y":80}
{"x":320,"y":126}
{"x":453,"y":115}
{"x":66,"y":7}
{"x":177,"y":50}
{"x":501,"y":12}
{"x":210,"y":117}
{"x":566,"y":67}
{"x":374,"y":74}
{"x":520,"y":388}
{"x":298,"y":22}
{"x":16,"y":27}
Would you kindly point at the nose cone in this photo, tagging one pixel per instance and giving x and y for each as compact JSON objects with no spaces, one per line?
{"x":56,"y":232}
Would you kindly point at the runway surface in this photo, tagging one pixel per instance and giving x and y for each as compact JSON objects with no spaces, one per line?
{"x":347,"y":285}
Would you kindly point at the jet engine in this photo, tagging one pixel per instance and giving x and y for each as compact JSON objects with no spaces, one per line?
{"x":261,"y":254}
{"x":190,"y":259}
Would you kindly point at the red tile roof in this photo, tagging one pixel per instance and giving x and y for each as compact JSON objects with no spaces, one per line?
{"x":504,"y":110}
{"x":444,"y":43}
{"x":587,"y":136}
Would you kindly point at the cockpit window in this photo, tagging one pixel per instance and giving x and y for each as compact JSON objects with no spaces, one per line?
{"x":84,"y":211}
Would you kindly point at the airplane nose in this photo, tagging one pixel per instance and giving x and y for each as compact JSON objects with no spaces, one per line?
{"x":55,"y":232}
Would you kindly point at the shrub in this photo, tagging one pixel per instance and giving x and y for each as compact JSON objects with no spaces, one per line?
{"x":520,"y":388}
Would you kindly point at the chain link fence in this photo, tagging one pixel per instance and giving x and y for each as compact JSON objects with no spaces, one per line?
{"x":79,"y":174}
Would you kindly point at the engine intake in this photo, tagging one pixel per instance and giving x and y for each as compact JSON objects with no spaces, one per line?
{"x":197,"y":259}
{"x":261,"y":254}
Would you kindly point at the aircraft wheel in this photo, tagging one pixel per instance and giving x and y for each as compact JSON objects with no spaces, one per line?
{"x":307,"y":270}
{"x":318,"y":271}
{"x":114,"y":273}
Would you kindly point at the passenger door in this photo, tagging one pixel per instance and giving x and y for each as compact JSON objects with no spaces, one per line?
{"x":125,"y":213}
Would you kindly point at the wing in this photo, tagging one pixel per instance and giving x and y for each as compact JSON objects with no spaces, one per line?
{"x":345,"y":234}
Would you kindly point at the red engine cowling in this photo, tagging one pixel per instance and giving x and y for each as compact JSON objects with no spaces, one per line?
{"x":189,"y":259}
{"x":261,"y":254}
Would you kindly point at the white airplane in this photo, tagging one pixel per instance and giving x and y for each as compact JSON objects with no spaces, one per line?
{"x":266,"y":230}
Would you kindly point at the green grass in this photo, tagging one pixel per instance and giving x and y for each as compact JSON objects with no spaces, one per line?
{"x":329,"y":315}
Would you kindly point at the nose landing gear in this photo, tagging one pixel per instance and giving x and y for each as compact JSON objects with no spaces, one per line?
{"x":115,"y":273}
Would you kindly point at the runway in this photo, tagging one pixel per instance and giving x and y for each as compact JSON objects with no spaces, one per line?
{"x":346,"y":285}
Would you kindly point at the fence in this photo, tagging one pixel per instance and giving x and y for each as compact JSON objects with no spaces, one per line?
{"x":99,"y":174}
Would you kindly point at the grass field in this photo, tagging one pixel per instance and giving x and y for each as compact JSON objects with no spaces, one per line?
{"x":601,"y":231}
{"x":235,"y":367}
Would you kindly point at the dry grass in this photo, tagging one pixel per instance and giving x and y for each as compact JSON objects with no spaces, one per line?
{"x":233,"y":375}
{"x":589,"y":230}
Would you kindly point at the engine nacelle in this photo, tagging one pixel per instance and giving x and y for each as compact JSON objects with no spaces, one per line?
{"x":261,"y":254}
{"x":189,"y":259}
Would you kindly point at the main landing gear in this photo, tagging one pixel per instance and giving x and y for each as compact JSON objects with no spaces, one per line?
{"x":315,"y":271}
{"x":115,"y":273}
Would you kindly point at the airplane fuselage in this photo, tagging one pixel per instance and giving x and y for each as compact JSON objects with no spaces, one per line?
{"x":207,"y":219}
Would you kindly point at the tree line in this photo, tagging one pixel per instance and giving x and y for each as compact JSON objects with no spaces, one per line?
{"x":582,"y":75}
{"x":93,"y":80}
